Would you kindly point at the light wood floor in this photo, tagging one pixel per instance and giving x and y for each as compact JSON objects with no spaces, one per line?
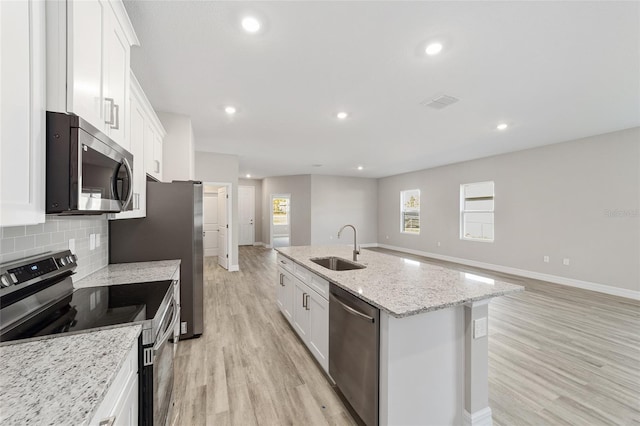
{"x":557,"y":356}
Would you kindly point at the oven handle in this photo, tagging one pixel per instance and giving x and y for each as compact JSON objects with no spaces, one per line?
{"x":127,"y":166}
{"x":169,"y":332}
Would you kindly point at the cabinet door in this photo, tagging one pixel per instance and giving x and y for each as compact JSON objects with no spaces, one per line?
{"x":280,"y":293}
{"x":300,"y":309}
{"x":85,"y":47}
{"x":22,"y":113}
{"x":126,"y":412}
{"x":286,"y":295}
{"x":158,"y":156}
{"x":137,"y":125}
{"x":116,"y":80}
{"x":319,"y":328}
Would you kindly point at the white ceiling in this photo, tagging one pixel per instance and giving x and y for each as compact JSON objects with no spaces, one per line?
{"x":554,"y":71}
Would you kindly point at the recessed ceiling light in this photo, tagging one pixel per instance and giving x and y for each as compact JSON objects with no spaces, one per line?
{"x":433,"y":49}
{"x":342,"y":115}
{"x":360,"y":167}
{"x":502,"y":126}
{"x":248,"y":175}
{"x":251,"y":24}
{"x":230,"y":110}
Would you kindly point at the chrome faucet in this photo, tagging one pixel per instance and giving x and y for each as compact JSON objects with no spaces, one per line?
{"x":356,"y":252}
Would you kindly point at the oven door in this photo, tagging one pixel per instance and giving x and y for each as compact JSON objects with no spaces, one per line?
{"x":105,"y":180}
{"x":163,"y":351}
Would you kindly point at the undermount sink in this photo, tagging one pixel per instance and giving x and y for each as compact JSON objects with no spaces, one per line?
{"x":337,"y":263}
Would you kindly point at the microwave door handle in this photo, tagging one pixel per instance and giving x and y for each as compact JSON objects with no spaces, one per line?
{"x":126,"y":203}
{"x":169,"y":330}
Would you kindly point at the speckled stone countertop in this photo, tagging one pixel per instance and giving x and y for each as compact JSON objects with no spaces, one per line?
{"x":130,"y":273}
{"x":62,"y":380}
{"x":400,"y":287}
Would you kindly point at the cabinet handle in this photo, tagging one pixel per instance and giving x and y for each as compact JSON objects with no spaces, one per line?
{"x":304,"y":299}
{"x":117,"y":114}
{"x":111,"y":119}
{"x":157,"y":166}
{"x":281,"y":279}
{"x":109,"y":421}
{"x":307,"y":304}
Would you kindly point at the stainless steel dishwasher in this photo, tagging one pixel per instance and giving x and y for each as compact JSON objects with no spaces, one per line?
{"x":354,"y":352}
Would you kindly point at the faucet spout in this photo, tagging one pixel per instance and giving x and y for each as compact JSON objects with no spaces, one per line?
{"x":356,"y":252}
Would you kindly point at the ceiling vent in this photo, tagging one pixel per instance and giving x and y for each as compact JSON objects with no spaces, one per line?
{"x":440,"y":102}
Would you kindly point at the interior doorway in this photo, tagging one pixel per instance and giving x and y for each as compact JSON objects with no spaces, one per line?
{"x":217,"y":221}
{"x":246,"y":215}
{"x":280,"y":220}
{"x":210,"y":220}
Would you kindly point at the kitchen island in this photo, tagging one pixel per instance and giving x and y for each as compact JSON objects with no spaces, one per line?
{"x":433,"y":333}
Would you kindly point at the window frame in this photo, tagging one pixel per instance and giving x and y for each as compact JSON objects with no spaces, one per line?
{"x":463,"y":211}
{"x":403,"y":211}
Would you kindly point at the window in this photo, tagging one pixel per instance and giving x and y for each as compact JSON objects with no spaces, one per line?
{"x":280,"y":211}
{"x":410,"y":211}
{"x":476,"y":211}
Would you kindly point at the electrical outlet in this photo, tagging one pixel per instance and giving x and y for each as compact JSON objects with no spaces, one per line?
{"x":72,"y":245}
{"x":546,"y":259}
{"x":565,"y":261}
{"x":97,"y":240}
{"x":479,"y":328}
{"x":183,"y":327}
{"x":92,"y":242}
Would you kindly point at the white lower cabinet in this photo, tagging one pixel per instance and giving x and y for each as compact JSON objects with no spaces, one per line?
{"x":306,"y":308}
{"x":120,"y":405}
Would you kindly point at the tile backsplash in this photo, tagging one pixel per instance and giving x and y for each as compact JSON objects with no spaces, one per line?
{"x":22,"y":241}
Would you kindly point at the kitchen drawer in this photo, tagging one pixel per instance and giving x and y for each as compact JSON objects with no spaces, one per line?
{"x":302,"y":273}
{"x":320,"y":285}
{"x":286,"y":263}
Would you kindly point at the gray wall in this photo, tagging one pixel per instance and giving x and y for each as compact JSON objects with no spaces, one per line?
{"x":222,"y":168}
{"x":300,"y":189}
{"x":336,"y":201}
{"x":258,"y":218}
{"x":53,"y":235}
{"x":578,"y":199}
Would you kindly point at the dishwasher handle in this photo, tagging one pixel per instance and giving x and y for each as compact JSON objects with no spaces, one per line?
{"x":355,"y":312}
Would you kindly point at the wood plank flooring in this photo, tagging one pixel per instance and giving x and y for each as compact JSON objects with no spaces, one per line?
{"x":557,"y":356}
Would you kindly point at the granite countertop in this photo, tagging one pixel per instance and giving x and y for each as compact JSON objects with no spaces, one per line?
{"x":61,"y":380}
{"x":400,"y":287}
{"x":130,"y":273}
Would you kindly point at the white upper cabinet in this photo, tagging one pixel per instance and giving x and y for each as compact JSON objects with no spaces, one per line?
{"x":89,"y":45}
{"x":22,"y":112}
{"x":144,"y":126}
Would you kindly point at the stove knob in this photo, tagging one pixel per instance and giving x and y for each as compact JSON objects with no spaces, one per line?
{"x":63,"y":261}
{"x":4,"y":281}
{"x":13,"y":278}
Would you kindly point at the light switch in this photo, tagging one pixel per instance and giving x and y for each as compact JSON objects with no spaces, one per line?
{"x":479,"y":328}
{"x":97,"y":240}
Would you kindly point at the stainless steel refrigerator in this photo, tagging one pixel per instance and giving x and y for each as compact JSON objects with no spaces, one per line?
{"x":171,"y":230}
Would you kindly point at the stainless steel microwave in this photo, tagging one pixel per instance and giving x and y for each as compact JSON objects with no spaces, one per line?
{"x":87,"y":172}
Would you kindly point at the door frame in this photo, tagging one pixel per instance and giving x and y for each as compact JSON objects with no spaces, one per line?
{"x":229,"y":219}
{"x":253,"y":230}
{"x":271,"y":197}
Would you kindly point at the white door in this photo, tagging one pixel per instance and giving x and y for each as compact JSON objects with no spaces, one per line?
{"x":223,"y":245}
{"x":246,"y":213}
{"x":210,"y":224}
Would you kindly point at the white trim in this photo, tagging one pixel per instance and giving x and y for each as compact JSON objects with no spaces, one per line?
{"x":234,"y":268}
{"x":365,"y":245}
{"x":258,"y":243}
{"x":479,"y":418}
{"x":571,"y":282}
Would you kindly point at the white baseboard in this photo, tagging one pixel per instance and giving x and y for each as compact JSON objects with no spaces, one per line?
{"x":258,"y":243}
{"x":571,"y":282}
{"x":368,"y":245}
{"x":234,"y":268}
{"x":479,"y":418}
